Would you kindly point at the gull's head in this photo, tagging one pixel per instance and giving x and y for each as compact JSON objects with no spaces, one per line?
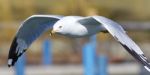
{"x":58,"y":29}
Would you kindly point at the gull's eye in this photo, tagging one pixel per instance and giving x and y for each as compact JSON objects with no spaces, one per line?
{"x":60,"y":26}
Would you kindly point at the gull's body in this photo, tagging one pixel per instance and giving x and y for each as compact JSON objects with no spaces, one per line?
{"x":79,"y":30}
{"x":71,"y":26}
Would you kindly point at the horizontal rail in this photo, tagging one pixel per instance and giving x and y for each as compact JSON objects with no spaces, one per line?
{"x":140,"y":26}
{"x":127,"y":25}
{"x":132,"y":69}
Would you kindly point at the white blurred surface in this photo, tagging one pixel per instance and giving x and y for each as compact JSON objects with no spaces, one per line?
{"x":114,"y":69}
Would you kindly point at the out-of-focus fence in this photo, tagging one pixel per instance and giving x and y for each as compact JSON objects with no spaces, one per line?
{"x":90,"y":61}
{"x":93,"y":63}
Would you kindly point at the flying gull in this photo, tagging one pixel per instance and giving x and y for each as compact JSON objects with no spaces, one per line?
{"x":70,"y":26}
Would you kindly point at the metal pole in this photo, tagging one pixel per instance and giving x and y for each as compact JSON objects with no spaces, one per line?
{"x":20,"y":65}
{"x":103,"y":64}
{"x":47,"y":54}
{"x":89,"y":52}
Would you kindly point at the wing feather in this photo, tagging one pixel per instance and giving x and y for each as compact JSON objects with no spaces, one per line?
{"x":29,"y":31}
{"x":120,"y":35}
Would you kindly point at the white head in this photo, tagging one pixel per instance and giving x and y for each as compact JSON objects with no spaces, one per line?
{"x":63,"y":26}
{"x":60,"y":28}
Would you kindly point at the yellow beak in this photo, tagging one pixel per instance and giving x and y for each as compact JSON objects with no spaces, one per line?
{"x":52,"y":32}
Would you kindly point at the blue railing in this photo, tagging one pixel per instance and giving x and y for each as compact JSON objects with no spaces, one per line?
{"x":20,"y":65}
{"x":47,"y":53}
{"x":93,"y":63}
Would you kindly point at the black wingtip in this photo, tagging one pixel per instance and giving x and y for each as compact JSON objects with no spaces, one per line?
{"x":11,"y":62}
{"x":13,"y":53}
{"x":139,"y":57}
{"x":9,"y":65}
{"x":12,"y":57}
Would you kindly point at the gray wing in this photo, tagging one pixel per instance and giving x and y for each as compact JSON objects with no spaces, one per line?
{"x":29,"y":31}
{"x":120,"y":35}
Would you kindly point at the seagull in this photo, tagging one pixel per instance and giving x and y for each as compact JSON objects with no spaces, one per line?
{"x":71,"y":26}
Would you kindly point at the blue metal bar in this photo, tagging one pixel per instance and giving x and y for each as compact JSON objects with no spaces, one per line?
{"x":103,"y":64}
{"x":93,"y":41}
{"x":89,"y":52}
{"x":47,"y":54}
{"x":20,"y":65}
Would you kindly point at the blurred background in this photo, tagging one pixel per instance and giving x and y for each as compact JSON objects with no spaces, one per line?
{"x":66,"y":53}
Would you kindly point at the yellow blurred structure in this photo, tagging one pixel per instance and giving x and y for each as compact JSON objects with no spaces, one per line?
{"x":18,"y":10}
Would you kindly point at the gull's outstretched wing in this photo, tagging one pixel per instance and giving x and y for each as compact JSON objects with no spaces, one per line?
{"x":29,"y":31}
{"x":120,"y":35}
